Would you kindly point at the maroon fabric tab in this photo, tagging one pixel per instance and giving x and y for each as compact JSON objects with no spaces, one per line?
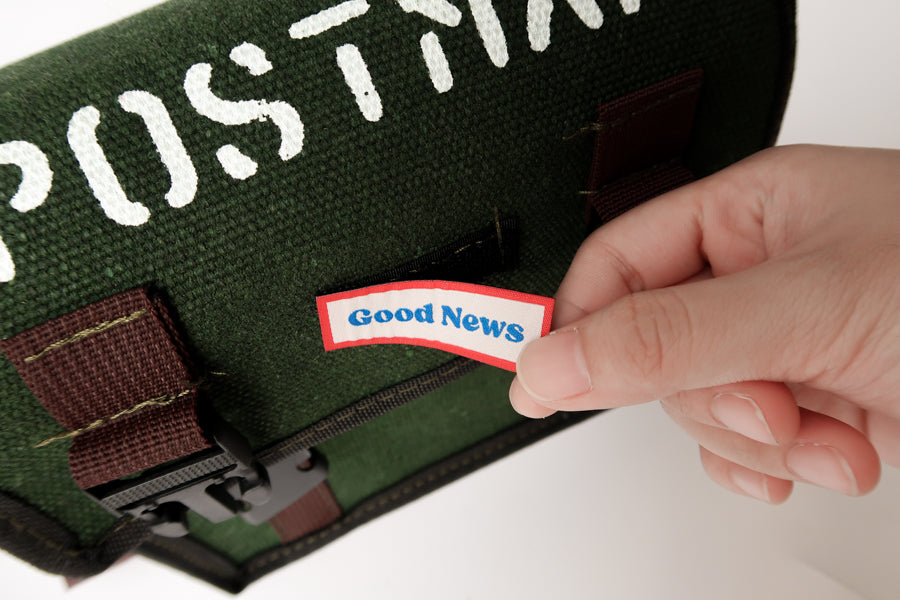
{"x":640,"y":139}
{"x":316,"y":510}
{"x":622,"y":195}
{"x":115,"y":376}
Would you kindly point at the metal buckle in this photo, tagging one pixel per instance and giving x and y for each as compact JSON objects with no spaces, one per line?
{"x":217,"y":484}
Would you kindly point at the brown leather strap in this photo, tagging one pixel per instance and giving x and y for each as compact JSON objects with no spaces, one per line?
{"x":640,"y":141}
{"x":114,"y":376}
{"x":316,"y":510}
{"x":622,"y":195}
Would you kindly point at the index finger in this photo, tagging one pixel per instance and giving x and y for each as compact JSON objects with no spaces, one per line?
{"x":712,"y":223}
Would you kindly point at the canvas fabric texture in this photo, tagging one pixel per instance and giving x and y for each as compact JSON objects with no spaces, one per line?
{"x":242,"y":159}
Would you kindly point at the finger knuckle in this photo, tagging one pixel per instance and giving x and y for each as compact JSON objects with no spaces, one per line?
{"x":630,"y":280}
{"x":646,"y":327}
{"x":653,"y":329}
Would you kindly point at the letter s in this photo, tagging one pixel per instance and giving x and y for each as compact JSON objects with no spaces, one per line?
{"x":37,"y":179}
{"x":515,"y":333}
{"x":283,"y":115}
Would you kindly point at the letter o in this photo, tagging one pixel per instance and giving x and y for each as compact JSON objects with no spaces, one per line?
{"x":403,"y":315}
{"x":383,"y":316}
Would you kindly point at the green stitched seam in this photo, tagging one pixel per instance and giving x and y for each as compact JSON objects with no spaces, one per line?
{"x":48,"y":543}
{"x":98,"y":328}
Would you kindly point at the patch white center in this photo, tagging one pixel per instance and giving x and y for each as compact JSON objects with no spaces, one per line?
{"x":488,"y":324}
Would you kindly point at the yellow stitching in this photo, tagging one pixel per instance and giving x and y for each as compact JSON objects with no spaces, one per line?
{"x":298,"y":440}
{"x":600,"y":127}
{"x":673,"y":162}
{"x":123,"y":523}
{"x":47,"y":542}
{"x":463,"y":249}
{"x":160,"y":401}
{"x":39,"y":537}
{"x":98,"y":328}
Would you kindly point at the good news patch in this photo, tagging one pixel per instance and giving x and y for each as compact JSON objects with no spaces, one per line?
{"x":487,"y":324}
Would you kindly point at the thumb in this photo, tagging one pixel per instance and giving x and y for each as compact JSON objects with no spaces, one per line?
{"x":645,"y":346}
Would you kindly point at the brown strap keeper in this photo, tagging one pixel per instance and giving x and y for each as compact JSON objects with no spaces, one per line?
{"x":115,"y":376}
{"x":640,"y":141}
{"x":316,"y":510}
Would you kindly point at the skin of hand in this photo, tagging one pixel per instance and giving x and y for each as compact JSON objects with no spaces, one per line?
{"x":760,"y":305}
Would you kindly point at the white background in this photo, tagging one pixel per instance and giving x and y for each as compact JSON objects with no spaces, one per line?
{"x":617,"y":507}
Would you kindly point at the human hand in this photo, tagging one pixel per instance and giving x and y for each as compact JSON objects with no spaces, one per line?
{"x":761,"y":305}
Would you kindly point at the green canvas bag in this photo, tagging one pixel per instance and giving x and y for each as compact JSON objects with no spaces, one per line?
{"x":178,"y":189}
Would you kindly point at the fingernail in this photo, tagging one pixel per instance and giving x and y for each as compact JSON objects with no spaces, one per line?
{"x":823,"y":466}
{"x":741,"y":414}
{"x":523,"y":403}
{"x":553,"y":367}
{"x":751,"y":483}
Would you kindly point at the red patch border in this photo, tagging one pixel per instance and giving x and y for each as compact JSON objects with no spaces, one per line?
{"x":472,"y":288}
